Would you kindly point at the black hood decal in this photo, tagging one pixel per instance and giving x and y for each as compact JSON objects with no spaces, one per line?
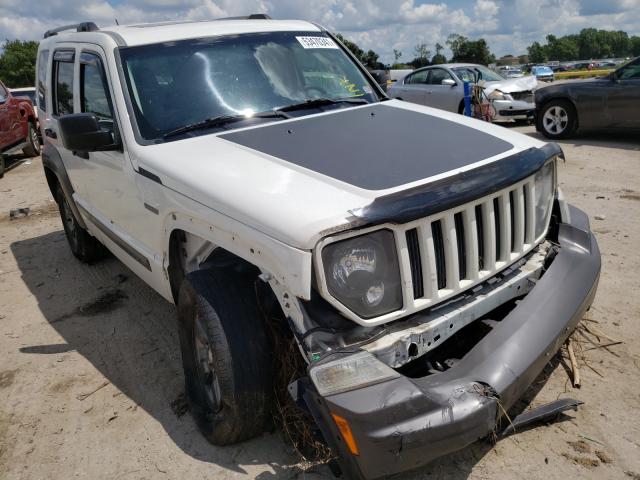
{"x":374,"y":148}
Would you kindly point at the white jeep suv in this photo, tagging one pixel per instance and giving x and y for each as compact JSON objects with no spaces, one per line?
{"x":425,"y":262}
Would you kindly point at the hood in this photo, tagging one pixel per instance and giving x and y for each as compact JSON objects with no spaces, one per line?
{"x":297,"y":180}
{"x":510,"y":85}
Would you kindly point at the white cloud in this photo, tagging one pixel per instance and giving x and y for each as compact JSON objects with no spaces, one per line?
{"x":382,"y":25}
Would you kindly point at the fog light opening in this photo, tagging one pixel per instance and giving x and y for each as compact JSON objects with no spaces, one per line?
{"x":413,"y":350}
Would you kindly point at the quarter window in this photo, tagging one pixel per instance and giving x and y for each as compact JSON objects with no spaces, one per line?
{"x":63,"y":75}
{"x":94,"y":93}
{"x":3,"y":93}
{"x":41,"y":96}
{"x":630,"y":71}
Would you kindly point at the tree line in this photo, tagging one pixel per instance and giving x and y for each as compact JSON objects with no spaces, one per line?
{"x":589,"y":44}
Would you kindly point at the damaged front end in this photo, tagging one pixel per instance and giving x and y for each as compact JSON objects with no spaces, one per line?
{"x":392,"y":397}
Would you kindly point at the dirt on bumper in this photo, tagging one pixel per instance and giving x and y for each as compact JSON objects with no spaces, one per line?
{"x":407,"y":422}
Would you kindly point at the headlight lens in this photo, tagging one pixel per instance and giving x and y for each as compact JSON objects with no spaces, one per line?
{"x":363,"y":274}
{"x":497,"y":95}
{"x":350,"y":372}
{"x":544,"y":188}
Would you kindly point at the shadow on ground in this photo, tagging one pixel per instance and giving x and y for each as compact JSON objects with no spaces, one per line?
{"x":128,"y":333}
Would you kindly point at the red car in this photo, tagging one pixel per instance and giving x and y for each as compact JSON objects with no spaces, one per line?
{"x":18,"y":132}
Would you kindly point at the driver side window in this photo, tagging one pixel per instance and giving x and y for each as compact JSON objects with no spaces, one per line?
{"x":94,"y":94}
{"x":438,"y":75}
{"x":3,"y":94}
{"x":630,"y":71}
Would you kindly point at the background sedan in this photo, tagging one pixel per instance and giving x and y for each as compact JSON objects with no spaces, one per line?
{"x":441,"y":86}
{"x":597,"y":103}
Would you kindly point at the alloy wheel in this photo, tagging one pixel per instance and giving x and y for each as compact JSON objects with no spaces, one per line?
{"x":555,"y":120}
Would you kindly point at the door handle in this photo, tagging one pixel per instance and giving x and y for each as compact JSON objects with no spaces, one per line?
{"x":84,"y":155}
{"x":50,"y":133}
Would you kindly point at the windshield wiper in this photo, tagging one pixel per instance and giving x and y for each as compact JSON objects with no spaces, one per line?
{"x":221,"y":120}
{"x":319,"y":102}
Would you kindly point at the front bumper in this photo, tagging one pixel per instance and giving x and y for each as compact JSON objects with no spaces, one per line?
{"x":407,"y":422}
{"x":506,"y":110}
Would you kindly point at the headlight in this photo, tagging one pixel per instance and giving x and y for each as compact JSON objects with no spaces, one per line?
{"x":354,"y":371}
{"x":544,"y":188}
{"x":363,"y":274}
{"x":497,"y":95}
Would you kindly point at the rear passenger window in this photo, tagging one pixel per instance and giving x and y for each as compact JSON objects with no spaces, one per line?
{"x":63,"y":80}
{"x":94,"y":96}
{"x":41,"y":86}
{"x":418,"y":78}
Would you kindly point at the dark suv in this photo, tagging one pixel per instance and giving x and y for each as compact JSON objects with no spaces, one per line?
{"x":18,"y":132}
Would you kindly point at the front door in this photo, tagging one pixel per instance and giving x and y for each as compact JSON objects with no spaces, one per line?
{"x":623,"y":99}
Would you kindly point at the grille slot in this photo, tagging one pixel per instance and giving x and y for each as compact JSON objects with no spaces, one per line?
{"x":413,"y":245}
{"x":480,"y":230}
{"x":512,"y":215}
{"x":525,"y":200}
{"x":497,"y":217}
{"x":462,"y":256}
{"x":438,"y":247}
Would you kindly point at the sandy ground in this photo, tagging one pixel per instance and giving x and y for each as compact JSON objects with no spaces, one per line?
{"x":90,"y":367}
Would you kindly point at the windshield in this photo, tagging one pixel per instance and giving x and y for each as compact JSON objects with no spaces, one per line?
{"x":475,"y":73}
{"x":180,"y":83}
{"x":543,"y":70}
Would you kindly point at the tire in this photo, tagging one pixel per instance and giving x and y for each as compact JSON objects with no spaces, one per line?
{"x":225,"y":354}
{"x":85,"y":247}
{"x":33,"y":144}
{"x":557,"y":119}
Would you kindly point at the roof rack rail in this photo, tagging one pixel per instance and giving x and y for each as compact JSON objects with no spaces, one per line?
{"x":253,"y":16}
{"x":79,"y":27}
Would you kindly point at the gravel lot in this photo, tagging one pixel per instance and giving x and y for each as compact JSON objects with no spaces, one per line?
{"x":90,"y":374}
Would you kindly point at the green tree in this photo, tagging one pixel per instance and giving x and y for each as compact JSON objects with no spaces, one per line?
{"x":537,"y":53}
{"x":472,"y":51}
{"x":369,"y":58}
{"x":635,"y":45}
{"x":396,"y":55}
{"x":422,"y":56}
{"x":563,"y":48}
{"x":18,"y":63}
{"x":438,"y":58}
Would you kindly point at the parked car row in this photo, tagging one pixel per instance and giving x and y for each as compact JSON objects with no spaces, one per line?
{"x":18,"y":126}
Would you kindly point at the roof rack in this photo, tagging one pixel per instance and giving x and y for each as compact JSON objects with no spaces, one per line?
{"x":253,"y":16}
{"x":79,"y":27}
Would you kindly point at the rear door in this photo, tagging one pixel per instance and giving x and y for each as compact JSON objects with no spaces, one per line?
{"x":414,"y":87}
{"x":623,"y":99}
{"x":13,"y":120}
{"x":5,"y":139}
{"x":446,"y":97}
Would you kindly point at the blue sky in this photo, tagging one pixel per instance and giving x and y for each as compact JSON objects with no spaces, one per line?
{"x":382,"y":25}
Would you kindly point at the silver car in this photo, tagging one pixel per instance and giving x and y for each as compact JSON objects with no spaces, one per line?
{"x":441,"y":86}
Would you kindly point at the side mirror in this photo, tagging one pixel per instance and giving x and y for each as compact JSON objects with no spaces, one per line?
{"x":81,"y":132}
{"x":448,"y":81}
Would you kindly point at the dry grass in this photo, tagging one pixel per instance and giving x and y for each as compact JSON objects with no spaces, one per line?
{"x":581,"y":74}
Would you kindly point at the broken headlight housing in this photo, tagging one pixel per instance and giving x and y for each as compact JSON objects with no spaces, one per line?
{"x":545,"y":187}
{"x":363,"y":273}
{"x":348,"y":373}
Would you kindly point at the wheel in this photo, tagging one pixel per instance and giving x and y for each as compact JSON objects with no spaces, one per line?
{"x":33,"y":144}
{"x":557,"y":119}
{"x":225,"y":354}
{"x":85,"y":247}
{"x":1,"y":165}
